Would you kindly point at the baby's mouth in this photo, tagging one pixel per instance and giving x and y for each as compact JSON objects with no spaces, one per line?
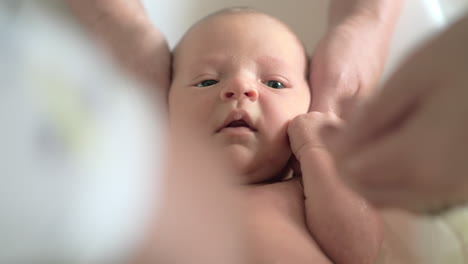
{"x":241,"y":123}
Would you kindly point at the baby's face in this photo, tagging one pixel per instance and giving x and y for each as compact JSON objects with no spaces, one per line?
{"x":238,"y":80}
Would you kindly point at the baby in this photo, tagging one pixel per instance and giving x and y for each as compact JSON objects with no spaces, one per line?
{"x":239,"y":78}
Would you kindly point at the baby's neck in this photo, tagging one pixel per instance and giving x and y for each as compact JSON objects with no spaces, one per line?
{"x":285,"y":174}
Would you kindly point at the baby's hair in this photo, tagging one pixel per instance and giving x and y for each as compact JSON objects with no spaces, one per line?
{"x":242,"y":10}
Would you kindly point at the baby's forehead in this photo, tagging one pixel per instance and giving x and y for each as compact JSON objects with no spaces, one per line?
{"x":241,"y":15}
{"x":246,"y":18}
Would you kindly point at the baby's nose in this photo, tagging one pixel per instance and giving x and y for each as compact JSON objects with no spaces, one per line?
{"x":239,"y":92}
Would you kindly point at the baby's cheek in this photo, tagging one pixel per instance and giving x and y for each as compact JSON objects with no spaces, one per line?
{"x":301,"y":102}
{"x":278,"y":145}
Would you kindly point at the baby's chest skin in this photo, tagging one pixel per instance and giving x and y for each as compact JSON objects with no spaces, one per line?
{"x":276,"y":230}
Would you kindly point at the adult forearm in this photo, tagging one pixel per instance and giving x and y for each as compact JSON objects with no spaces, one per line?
{"x":349,"y":59}
{"x":125,"y":29}
{"x":378,"y":16}
{"x":93,"y":11}
{"x":385,"y":12}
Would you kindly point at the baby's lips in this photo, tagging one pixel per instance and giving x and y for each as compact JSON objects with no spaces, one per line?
{"x":238,"y":115}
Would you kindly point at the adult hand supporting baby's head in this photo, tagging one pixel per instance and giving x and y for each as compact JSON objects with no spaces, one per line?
{"x":127,"y":32}
{"x":407,"y":146}
{"x":349,"y":59}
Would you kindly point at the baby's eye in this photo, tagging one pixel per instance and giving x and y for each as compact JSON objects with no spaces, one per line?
{"x":274,"y":84}
{"x":206,"y":83}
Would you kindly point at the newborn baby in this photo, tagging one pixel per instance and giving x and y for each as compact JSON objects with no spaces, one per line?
{"x":239,"y":78}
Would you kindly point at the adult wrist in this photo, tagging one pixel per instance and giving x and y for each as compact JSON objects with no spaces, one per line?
{"x":125,"y":29}
{"x":364,"y":11}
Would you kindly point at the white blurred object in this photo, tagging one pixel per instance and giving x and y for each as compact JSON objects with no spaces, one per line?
{"x":453,"y":9}
{"x":76,"y":139}
{"x":420,"y":20}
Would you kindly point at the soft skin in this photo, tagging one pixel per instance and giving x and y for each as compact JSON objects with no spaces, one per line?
{"x":147,"y":54}
{"x":349,"y":59}
{"x":346,"y":227}
{"x":230,"y":73}
{"x":239,"y":58}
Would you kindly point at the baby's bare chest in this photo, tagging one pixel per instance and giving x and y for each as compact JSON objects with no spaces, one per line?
{"x":276,"y":230}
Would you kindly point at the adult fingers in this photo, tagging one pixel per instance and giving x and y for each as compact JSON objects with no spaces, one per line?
{"x":389,"y":108}
{"x":401,"y":170}
{"x":382,"y":171}
{"x":426,"y":70}
{"x":379,"y":172}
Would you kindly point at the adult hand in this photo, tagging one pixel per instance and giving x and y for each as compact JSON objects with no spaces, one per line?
{"x":408,"y":146}
{"x":127,"y":32}
{"x":348,"y":61}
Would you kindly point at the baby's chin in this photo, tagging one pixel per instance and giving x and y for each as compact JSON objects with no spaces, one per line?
{"x":251,"y":167}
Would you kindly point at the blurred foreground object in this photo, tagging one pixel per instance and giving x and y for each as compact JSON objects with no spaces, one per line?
{"x":418,"y":121}
{"x":77,"y":143}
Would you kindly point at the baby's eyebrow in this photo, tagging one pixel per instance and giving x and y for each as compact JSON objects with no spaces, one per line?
{"x":275,"y":64}
{"x":205,"y":64}
{"x":271,"y":60}
{"x":211,"y":60}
